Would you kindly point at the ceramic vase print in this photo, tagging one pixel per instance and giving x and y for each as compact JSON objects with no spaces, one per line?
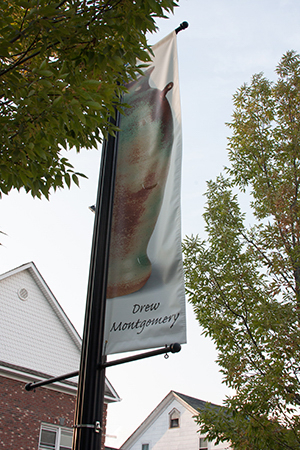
{"x":144,"y":150}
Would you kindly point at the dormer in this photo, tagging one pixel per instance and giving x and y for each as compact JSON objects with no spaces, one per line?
{"x":174,"y":418}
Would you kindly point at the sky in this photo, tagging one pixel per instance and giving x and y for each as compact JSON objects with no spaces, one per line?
{"x":226,"y":43}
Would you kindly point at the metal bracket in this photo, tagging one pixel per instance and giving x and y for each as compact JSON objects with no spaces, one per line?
{"x":173,"y":348}
{"x":96,"y":426}
{"x":182,"y":26}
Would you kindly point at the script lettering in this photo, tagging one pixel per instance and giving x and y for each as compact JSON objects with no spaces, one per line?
{"x":146,"y":308}
{"x":140,"y":325}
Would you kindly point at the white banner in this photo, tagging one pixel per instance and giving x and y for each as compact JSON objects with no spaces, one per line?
{"x":145,"y":305}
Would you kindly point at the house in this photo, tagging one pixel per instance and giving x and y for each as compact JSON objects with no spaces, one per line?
{"x":171,"y":426}
{"x":37,"y":342}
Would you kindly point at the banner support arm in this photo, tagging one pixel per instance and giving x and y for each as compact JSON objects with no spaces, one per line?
{"x":173,"y":348}
{"x":36,"y":384}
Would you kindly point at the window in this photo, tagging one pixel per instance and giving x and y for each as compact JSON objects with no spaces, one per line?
{"x":174,"y":416}
{"x":145,"y":446}
{"x":203,"y":443}
{"x":47,"y":439}
{"x":55,"y":438}
{"x":174,"y":423}
{"x":65,"y":439}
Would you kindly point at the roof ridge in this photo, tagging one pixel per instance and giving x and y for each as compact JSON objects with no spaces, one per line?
{"x":195,"y":402}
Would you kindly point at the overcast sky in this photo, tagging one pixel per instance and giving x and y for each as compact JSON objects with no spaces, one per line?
{"x":226,"y":43}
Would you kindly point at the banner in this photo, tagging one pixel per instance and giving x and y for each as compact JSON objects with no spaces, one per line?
{"x":145,"y":305}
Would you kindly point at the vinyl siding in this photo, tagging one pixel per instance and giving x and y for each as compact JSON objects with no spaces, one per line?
{"x":31,"y":334}
{"x":160,"y":437}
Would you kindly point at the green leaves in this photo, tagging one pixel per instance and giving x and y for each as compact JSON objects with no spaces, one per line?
{"x":244,"y":283}
{"x":63,"y":66}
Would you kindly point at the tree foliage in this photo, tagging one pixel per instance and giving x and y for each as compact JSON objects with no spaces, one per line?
{"x":63,"y":65}
{"x":244,"y":281}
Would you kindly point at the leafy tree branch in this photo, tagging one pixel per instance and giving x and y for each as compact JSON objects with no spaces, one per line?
{"x":244,"y":283}
{"x":63,"y":69}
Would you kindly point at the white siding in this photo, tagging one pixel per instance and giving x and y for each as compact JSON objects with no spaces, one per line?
{"x":31,"y":334}
{"x":160,"y":437}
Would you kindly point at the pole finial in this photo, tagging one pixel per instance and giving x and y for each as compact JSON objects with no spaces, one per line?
{"x":182,"y":26}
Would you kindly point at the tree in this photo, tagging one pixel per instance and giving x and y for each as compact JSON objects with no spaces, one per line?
{"x":244,"y":282}
{"x":63,"y":66}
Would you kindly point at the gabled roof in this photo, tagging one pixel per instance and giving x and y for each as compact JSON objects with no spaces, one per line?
{"x":191,"y":403}
{"x":37,"y":339}
{"x":43,"y":286}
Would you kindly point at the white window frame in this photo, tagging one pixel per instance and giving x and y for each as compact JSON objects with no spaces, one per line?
{"x":204,"y":444}
{"x":58,"y":432}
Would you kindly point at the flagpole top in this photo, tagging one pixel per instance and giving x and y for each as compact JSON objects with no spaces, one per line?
{"x":182,"y":26}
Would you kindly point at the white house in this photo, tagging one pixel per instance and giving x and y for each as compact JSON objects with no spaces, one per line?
{"x":37,"y":342}
{"x":171,"y":426}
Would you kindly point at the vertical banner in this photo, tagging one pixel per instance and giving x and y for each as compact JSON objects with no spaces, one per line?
{"x":145,"y":305}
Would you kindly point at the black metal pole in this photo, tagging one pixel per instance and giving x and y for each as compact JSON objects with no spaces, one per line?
{"x":90,"y":395}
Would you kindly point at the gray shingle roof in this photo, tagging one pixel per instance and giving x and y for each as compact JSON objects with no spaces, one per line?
{"x":195,"y":403}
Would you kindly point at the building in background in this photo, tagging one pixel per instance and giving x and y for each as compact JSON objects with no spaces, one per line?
{"x":37,"y":342}
{"x":171,"y":425}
